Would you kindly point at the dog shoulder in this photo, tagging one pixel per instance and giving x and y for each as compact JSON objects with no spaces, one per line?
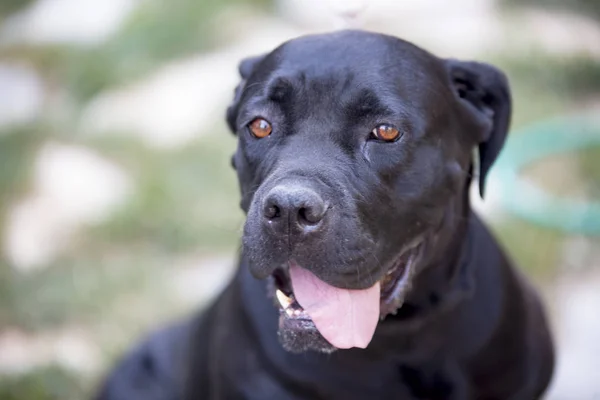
{"x":151,"y":371}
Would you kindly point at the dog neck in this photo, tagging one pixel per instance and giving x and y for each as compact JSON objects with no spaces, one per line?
{"x":443,"y":276}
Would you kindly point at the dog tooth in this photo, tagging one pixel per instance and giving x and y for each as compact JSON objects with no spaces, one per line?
{"x":289,"y":312}
{"x":284,"y":301}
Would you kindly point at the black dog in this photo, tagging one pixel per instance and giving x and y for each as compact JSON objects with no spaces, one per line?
{"x":355,"y":159}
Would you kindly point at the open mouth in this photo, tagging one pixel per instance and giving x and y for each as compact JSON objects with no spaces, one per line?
{"x":392,"y":288}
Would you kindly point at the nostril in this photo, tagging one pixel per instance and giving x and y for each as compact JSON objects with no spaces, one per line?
{"x":302,"y":215}
{"x":310,"y":215}
{"x":272,"y":211}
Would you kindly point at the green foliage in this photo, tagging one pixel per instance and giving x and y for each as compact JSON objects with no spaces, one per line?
{"x":161,"y":30}
{"x":16,"y":151}
{"x":10,"y":6}
{"x":49,"y":383}
{"x":589,"y":165}
{"x":157,"y":31}
{"x":17,"y":148}
{"x":571,"y":77}
{"x":536,"y":250}
{"x":590,"y":8}
{"x":185,"y":199}
{"x":78,"y":288}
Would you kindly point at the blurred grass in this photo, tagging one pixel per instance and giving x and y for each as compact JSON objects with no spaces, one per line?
{"x":575,"y":174}
{"x":589,"y":165}
{"x":9,"y":6}
{"x":160,"y":30}
{"x":47,"y":383}
{"x":17,"y":151}
{"x":590,"y":8}
{"x":76,"y":289}
{"x":185,"y":199}
{"x":572,"y":77}
{"x":545,"y":86}
{"x":535,"y":250}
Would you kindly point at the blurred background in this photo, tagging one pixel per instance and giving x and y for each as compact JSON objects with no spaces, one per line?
{"x":118,"y":207}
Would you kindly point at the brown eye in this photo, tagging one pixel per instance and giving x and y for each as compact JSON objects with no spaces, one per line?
{"x":260,"y":128}
{"x":386,"y":133}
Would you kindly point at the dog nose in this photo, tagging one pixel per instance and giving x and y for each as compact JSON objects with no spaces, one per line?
{"x":293,"y":209}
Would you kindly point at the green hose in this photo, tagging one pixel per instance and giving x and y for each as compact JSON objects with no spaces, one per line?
{"x":530,"y":202}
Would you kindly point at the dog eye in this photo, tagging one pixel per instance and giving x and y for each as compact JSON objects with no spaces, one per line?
{"x":260,"y":128}
{"x":386,"y":133}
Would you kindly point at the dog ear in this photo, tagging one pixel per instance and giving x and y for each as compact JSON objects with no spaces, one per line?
{"x":485,"y":91}
{"x":245,"y":69}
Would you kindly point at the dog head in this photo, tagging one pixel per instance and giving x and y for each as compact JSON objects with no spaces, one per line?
{"x":351,"y":147}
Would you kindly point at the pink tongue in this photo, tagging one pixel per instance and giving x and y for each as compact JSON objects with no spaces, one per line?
{"x":346,"y":318}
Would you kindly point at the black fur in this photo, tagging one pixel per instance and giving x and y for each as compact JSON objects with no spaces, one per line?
{"x":470,"y":328}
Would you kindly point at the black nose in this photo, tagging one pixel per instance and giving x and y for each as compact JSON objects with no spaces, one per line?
{"x":293,"y":209}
